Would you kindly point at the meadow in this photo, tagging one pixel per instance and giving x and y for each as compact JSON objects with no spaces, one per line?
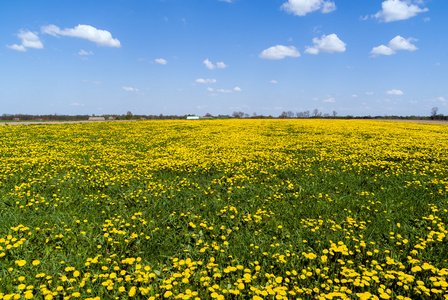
{"x":224,"y":209}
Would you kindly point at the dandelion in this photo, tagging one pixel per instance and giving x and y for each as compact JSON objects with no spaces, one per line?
{"x":20,"y":263}
{"x":35,"y":262}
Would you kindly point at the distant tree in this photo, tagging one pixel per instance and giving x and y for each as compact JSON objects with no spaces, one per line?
{"x":283,"y":115}
{"x":129,"y":115}
{"x":238,"y":114}
{"x":326,"y":115}
{"x":434,"y":112}
{"x":335,"y":113}
{"x":317,"y":113}
{"x":246,"y":116}
{"x":306,"y":114}
{"x":208,"y":115}
{"x":290,"y":114}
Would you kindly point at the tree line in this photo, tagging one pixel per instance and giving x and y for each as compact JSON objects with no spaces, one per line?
{"x":434,"y":115}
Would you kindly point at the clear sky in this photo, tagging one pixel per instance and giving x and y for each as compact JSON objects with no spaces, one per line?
{"x":355,"y":57}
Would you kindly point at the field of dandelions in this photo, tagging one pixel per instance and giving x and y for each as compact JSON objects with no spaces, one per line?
{"x":224,"y":209}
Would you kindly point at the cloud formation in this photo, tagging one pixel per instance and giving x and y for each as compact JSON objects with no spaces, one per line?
{"x":303,"y":7}
{"x":209,"y":65}
{"x":84,"y":53}
{"x":224,"y":91}
{"x":98,"y":36}
{"x":206,"y":81}
{"x":396,"y":10}
{"x":161,"y":61}
{"x":273,"y":81}
{"x":395,"y":44}
{"x":29,"y":40}
{"x":395,"y":92}
{"x":130,"y":89}
{"x":279,"y":52}
{"x":327,"y":43}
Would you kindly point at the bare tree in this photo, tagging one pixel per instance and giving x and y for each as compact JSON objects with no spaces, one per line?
{"x":283,"y":115}
{"x":335,"y":113}
{"x":306,"y":114}
{"x":317,"y":113}
{"x":238,"y":114}
{"x":290,"y":114}
{"x":434,"y":112}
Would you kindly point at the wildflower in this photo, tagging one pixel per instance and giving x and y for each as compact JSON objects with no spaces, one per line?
{"x":20,"y":263}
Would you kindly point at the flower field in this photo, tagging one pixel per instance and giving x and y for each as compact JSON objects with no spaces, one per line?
{"x":224,"y":209}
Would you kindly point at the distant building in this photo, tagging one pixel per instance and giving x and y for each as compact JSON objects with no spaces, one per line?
{"x":96,"y":119}
{"x":192,"y":118}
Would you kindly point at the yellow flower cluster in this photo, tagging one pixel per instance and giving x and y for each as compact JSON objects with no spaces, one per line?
{"x":224,"y":209}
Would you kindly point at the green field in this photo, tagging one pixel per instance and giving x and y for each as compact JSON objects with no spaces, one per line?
{"x":224,"y":209}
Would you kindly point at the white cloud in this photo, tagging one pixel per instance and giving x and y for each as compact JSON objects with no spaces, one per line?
{"x":76,"y":104}
{"x":224,"y":91}
{"x":395,"y":44}
{"x":441,"y":99}
{"x":210,"y":89}
{"x":98,"y":36}
{"x":369,"y":93}
{"x":396,"y":10}
{"x":395,"y":92}
{"x":327,"y":43}
{"x":130,"y":89}
{"x":400,"y":43}
{"x":221,"y":65}
{"x":82,"y":52}
{"x":206,"y":81}
{"x":17,"y":47}
{"x":302,"y":7}
{"x":228,"y":1}
{"x":29,"y":40}
{"x":382,"y":50}
{"x":237,"y":89}
{"x":330,"y":100}
{"x":273,"y":81}
{"x":328,"y":7}
{"x":209,"y":65}
{"x":161,"y":61}
{"x":279,"y":52}
{"x":354,"y":96}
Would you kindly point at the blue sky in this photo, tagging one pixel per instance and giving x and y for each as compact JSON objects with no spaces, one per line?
{"x":386,"y":57}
